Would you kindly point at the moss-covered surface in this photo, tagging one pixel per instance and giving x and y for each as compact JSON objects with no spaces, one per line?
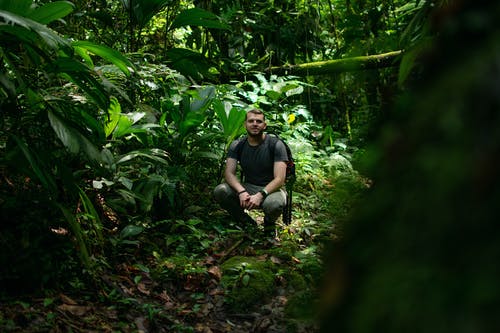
{"x":248,"y":281}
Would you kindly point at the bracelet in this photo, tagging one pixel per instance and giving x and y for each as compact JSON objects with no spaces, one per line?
{"x":241,"y":192}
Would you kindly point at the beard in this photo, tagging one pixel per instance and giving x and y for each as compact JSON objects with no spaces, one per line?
{"x":255,"y":134}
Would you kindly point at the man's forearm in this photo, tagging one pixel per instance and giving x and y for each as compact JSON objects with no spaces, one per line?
{"x":233,"y":181}
{"x":274,"y":185}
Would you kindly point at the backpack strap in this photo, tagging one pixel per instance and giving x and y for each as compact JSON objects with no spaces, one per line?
{"x":239,"y":146}
{"x":273,"y":141}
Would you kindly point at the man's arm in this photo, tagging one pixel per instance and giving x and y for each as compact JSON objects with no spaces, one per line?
{"x":230,"y":175}
{"x":233,"y":181}
{"x":279,"y":177}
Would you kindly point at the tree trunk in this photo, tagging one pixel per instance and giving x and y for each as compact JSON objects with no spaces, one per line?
{"x":376,"y":61}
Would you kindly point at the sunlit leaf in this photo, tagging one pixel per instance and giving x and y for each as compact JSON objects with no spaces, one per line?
{"x":50,"y":12}
{"x":106,"y":53}
{"x":198,"y":17}
{"x":114,"y":113}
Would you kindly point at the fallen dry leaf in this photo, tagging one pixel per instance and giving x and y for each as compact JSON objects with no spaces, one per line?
{"x":215,"y":272}
{"x":142,"y":288}
{"x":276,"y":260}
{"x":76,"y":310}
{"x":202,"y":328}
{"x":67,"y":300}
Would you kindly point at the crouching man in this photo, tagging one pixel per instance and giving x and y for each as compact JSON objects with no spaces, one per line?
{"x":263,"y":162}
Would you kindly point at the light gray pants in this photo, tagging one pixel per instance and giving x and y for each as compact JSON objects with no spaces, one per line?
{"x":228,"y":199}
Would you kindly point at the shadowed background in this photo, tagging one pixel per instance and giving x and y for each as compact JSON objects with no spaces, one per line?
{"x":422,"y":251}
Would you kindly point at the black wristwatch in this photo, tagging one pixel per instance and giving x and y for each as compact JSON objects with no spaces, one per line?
{"x":264,"y":193}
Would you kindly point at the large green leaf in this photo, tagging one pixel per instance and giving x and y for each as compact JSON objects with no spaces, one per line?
{"x":113,"y":56}
{"x":230,"y":118}
{"x":114,"y":114}
{"x":153,"y":154}
{"x":131,"y":231}
{"x":189,"y":63}
{"x":83,"y":77}
{"x":203,"y":99}
{"x":48,"y":36}
{"x":72,"y":139}
{"x":50,"y":12}
{"x":141,"y":11}
{"x":198,"y":17}
{"x":191,"y":121}
{"x":20,"y":7}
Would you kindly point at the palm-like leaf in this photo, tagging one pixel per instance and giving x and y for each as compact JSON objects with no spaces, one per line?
{"x":198,"y":17}
{"x":19,"y":7}
{"x":83,"y":48}
{"x":48,"y":36}
{"x":141,"y":11}
{"x":153,"y":154}
{"x":74,"y":141}
{"x":43,"y":14}
{"x":50,"y":12}
{"x":231,"y":120}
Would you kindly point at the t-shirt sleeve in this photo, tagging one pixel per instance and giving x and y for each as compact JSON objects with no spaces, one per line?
{"x":231,"y":152}
{"x":280,"y":152}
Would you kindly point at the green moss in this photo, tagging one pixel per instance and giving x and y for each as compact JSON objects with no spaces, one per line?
{"x":248,"y":280}
{"x":302,"y":305}
{"x":295,"y":281}
{"x":284,"y":252}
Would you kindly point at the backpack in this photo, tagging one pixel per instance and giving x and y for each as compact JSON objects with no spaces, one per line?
{"x":290,"y":171}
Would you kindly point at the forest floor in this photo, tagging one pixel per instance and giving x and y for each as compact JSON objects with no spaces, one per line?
{"x":224,"y":279}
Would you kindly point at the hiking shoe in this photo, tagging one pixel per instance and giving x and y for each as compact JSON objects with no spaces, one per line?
{"x":248,"y":223}
{"x":269,"y":228}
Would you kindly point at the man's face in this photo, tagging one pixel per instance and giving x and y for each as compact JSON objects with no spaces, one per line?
{"x":255,"y":124}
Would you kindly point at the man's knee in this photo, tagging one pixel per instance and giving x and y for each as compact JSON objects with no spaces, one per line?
{"x":222,"y":191}
{"x":274,"y":203}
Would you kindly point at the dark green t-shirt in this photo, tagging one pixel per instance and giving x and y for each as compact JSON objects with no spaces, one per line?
{"x":256,"y":161}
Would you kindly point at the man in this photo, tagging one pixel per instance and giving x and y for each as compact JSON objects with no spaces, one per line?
{"x":264,"y":175}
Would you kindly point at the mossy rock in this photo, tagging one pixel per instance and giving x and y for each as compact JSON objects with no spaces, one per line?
{"x":248,"y":281}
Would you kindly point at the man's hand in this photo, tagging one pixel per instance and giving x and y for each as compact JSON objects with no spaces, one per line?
{"x":244,"y":199}
{"x":254,"y":201}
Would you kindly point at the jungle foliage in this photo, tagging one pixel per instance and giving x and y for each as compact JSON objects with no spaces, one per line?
{"x":115,"y":116}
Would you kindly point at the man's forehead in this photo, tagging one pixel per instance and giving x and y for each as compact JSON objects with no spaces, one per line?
{"x":254,"y":116}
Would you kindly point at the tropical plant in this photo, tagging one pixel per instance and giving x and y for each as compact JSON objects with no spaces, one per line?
{"x":51,"y":99}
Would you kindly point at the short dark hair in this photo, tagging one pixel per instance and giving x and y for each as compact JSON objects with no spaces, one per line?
{"x":255,"y":111}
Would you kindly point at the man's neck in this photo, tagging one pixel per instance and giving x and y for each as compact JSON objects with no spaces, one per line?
{"x":255,"y":140}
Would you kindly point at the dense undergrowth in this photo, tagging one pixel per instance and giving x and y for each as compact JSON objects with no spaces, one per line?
{"x":128,"y":236}
{"x":198,"y":272}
